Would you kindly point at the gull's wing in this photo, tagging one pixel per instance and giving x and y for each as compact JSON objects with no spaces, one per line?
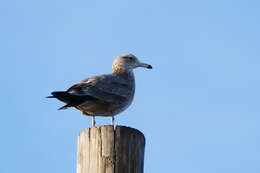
{"x":109,"y":88}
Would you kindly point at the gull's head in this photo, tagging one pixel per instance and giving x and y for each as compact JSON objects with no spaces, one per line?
{"x":128,"y":62}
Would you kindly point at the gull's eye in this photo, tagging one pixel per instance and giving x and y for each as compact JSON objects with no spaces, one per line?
{"x":128,"y":57}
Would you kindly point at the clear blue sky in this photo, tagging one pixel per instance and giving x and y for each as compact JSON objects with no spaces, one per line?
{"x":198,"y":108}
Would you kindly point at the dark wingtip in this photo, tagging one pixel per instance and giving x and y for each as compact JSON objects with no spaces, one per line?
{"x":55,"y":94}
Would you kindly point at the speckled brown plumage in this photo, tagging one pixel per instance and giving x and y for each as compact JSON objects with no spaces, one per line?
{"x":104,"y":95}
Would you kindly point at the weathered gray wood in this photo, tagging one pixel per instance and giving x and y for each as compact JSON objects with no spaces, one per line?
{"x":129,"y":149}
{"x":105,"y":150}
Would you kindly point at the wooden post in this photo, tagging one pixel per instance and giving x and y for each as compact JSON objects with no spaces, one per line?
{"x":105,"y":150}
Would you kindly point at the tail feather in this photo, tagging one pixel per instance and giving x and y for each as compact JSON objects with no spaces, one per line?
{"x":65,"y":107}
{"x":70,"y":99}
{"x":61,"y":95}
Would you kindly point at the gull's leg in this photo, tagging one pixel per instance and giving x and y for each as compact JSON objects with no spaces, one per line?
{"x":93,"y":121}
{"x":113,"y":121}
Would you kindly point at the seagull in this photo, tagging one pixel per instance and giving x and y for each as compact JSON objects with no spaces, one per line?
{"x":104,"y":95}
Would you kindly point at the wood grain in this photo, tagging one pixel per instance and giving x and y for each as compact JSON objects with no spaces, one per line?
{"x":105,"y":150}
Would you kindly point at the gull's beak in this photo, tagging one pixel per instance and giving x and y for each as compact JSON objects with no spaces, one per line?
{"x":145,"y":65}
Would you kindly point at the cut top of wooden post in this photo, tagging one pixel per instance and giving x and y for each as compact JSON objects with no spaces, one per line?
{"x":105,"y":150}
